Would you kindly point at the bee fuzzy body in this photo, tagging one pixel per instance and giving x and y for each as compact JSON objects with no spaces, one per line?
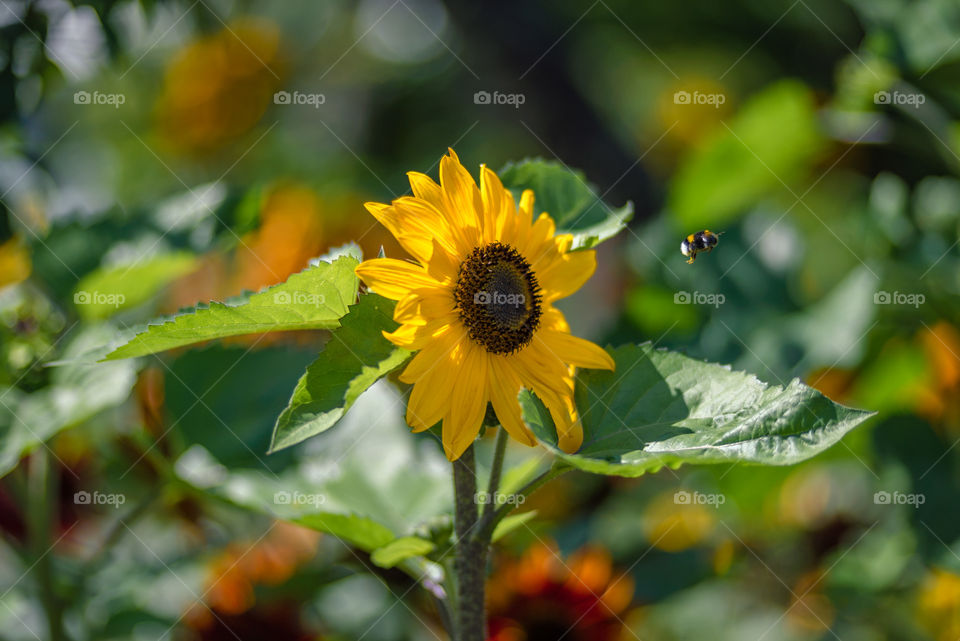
{"x":702,"y":241}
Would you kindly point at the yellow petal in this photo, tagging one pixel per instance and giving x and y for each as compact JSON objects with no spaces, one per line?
{"x":446,"y":350}
{"x":414,"y":337}
{"x":497,"y":205}
{"x":423,"y":187}
{"x":420,"y":218}
{"x":467,"y":405}
{"x":393,"y":278}
{"x":504,"y":387}
{"x":462,"y":198}
{"x":569,"y":427}
{"x":423,"y":305}
{"x":575,"y":350}
{"x":430,"y":399}
{"x":566,"y":276}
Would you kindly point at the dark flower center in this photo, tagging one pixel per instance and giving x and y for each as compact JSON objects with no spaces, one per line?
{"x":498,"y":298}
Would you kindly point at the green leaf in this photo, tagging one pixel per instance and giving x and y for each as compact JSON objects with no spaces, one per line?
{"x":772,"y":140}
{"x":362,"y":532}
{"x":511,"y":523}
{"x":663,"y":408}
{"x":368,"y":482}
{"x":400,"y":550}
{"x":76,"y":392}
{"x":355,"y":358}
{"x":315,"y":298}
{"x":568,"y":198}
{"x":106,"y":290}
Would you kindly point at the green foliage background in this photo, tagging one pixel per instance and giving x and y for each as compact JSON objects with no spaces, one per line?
{"x":830,"y":165}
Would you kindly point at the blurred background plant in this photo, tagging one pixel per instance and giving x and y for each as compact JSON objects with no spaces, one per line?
{"x":155,"y":154}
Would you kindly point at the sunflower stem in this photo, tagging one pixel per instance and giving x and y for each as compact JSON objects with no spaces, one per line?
{"x":470,"y":561}
{"x":42,"y":492}
{"x":496,"y":469}
{"x":492,"y":518}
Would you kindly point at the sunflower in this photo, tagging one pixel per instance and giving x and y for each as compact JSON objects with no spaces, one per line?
{"x":478,"y":305}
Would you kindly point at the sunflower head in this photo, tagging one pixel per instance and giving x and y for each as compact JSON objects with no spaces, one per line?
{"x":478,"y":306}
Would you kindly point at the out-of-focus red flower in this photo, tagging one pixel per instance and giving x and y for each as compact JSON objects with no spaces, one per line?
{"x":235,"y":573}
{"x":540,"y":596}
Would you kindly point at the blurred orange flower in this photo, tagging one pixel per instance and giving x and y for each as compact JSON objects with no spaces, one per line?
{"x":940,"y":400}
{"x":539,"y":596}
{"x":219,"y":86}
{"x":241,"y":566}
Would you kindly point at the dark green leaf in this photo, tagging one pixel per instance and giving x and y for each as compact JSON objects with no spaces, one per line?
{"x":355,"y":358}
{"x":568,"y":198}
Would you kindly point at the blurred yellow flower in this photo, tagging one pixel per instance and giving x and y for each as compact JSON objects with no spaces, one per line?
{"x":219,"y":86}
{"x":478,"y":305}
{"x":938,"y":604}
{"x":14,"y":262}
{"x":290,"y":234}
{"x":674,"y":526}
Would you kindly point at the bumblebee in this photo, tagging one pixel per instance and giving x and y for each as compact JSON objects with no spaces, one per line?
{"x":702,"y":241}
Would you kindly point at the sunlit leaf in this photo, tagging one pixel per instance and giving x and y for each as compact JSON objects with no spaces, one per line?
{"x":663,"y":408}
{"x":315,"y":298}
{"x":401,"y":549}
{"x":354,"y":359}
{"x":104,"y":291}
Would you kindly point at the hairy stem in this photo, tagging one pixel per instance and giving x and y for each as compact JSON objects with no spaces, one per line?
{"x":496,"y":469}
{"x":471,"y":553}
